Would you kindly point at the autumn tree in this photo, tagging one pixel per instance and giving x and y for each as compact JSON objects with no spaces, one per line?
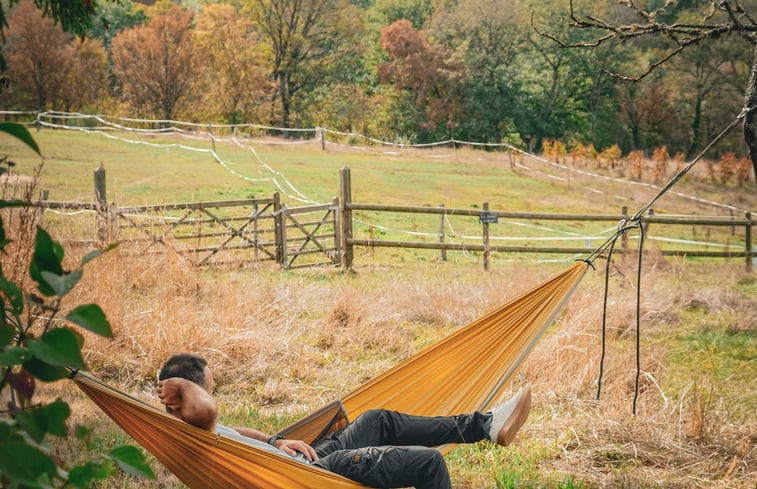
{"x":73,"y":17}
{"x":427,"y":72}
{"x":235,"y":79}
{"x":670,"y":30}
{"x":304,"y":37}
{"x":156,"y":64}
{"x":39,"y":54}
{"x":87,"y":81}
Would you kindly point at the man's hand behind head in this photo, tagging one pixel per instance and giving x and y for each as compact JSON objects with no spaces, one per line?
{"x":189,"y":402}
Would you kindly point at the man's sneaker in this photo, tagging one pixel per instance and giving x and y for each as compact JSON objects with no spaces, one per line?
{"x":507,"y":418}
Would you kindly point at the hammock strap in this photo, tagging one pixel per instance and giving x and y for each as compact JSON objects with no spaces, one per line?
{"x":638,"y":317}
{"x":610,"y":248}
{"x":604,"y":317}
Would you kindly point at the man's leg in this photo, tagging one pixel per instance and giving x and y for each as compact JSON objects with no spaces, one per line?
{"x":380,"y":427}
{"x":390,"y":466}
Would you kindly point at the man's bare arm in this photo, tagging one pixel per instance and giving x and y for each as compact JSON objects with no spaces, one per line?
{"x":290,"y":447}
{"x":189,"y":402}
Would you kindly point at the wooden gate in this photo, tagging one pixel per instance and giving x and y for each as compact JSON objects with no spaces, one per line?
{"x":308,"y":236}
{"x":210,"y":233}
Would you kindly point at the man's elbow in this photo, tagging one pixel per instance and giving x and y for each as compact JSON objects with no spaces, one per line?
{"x":204,"y":417}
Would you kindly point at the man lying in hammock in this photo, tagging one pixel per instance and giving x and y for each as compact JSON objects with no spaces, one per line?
{"x":379,"y":448}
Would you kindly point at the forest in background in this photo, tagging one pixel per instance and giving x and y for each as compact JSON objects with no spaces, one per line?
{"x":409,"y":71}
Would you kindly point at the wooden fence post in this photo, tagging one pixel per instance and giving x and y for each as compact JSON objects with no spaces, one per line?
{"x":278,"y":234}
{"x":322,"y":137}
{"x":748,"y":243}
{"x":624,"y":236}
{"x":337,"y":243}
{"x":487,"y":251}
{"x":345,"y":199}
{"x":441,"y":234}
{"x":255,"y":232}
{"x":101,"y":200}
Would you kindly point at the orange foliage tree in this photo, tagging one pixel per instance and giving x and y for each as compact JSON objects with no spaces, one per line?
{"x":39,"y":57}
{"x":234,"y":76}
{"x":157,"y":64}
{"x":434,"y":80}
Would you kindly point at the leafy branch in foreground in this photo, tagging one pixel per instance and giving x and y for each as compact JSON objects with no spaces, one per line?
{"x":38,"y":345}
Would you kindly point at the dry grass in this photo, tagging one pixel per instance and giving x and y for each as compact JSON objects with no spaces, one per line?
{"x":283,"y":343}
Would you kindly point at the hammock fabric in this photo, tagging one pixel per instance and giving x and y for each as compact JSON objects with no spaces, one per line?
{"x":466,"y":371}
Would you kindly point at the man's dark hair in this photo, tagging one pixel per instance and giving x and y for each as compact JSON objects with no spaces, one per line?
{"x":185,"y":365}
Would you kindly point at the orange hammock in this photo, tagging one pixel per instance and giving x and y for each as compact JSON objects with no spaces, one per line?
{"x":464,"y":372}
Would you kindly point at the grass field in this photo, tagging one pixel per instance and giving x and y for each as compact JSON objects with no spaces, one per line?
{"x":284,"y":343}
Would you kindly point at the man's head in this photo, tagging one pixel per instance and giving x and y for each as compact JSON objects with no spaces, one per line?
{"x":188,"y":366}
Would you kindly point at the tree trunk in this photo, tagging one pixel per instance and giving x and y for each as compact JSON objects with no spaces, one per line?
{"x":750,"y":121}
{"x":284,"y":94}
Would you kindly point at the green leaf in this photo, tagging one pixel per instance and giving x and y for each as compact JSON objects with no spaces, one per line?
{"x":24,"y":465}
{"x":45,"y":372}
{"x":59,"y":347}
{"x":81,"y":476}
{"x":49,"y":418}
{"x":13,"y":293}
{"x":14,"y":355}
{"x":7,"y":332}
{"x":5,"y":431}
{"x":28,"y":424}
{"x":131,"y":461}
{"x":62,"y":284}
{"x":91,"y":317}
{"x":94,"y":254}
{"x":47,"y":257}
{"x":20,"y":132}
{"x":84,"y":435}
{"x":82,"y":432}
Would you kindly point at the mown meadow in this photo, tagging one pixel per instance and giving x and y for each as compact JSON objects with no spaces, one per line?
{"x":284,"y":343}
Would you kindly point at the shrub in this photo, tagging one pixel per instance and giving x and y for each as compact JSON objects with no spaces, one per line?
{"x":37,"y":345}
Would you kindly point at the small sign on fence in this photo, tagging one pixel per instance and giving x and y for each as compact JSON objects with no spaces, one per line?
{"x":488,"y":217}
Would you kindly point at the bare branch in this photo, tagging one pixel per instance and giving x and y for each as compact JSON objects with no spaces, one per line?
{"x":683,"y":35}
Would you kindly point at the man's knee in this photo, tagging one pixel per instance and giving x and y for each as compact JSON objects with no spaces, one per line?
{"x":373,"y":414}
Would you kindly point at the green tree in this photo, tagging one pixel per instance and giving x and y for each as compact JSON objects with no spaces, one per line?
{"x":304,"y":39}
{"x":417,"y":12}
{"x":665,"y":32}
{"x":487,"y":35}
{"x":113,"y":17}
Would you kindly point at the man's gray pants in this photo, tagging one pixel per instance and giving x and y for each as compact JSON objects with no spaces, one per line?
{"x":390,"y":449}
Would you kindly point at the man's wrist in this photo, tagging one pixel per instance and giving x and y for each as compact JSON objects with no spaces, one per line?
{"x":272,"y":440}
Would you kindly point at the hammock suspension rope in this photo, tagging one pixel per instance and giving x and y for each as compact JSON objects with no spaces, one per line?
{"x":636,"y":222}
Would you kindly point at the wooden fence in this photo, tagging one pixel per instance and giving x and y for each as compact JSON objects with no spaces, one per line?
{"x":252,"y":230}
{"x":487,"y":218}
